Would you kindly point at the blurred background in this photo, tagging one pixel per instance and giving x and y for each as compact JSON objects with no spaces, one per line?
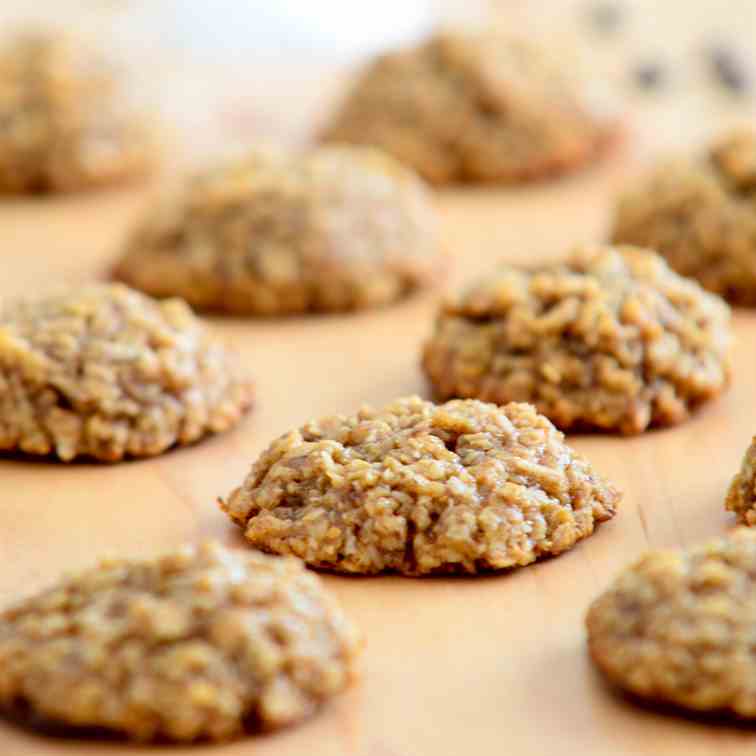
{"x":227,"y":72}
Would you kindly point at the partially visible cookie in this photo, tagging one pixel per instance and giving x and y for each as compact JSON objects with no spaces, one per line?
{"x":678,"y":627}
{"x":202,"y":643}
{"x":419,"y":488}
{"x":339,"y":228}
{"x":474,"y":107}
{"x":64,"y":122}
{"x":105,"y":372}
{"x":610,"y":340}
{"x":700,"y":213}
{"x":741,"y":497}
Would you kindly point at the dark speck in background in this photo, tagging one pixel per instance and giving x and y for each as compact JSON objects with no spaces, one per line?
{"x":649,"y":75}
{"x":606,"y":16}
{"x":730,"y":69}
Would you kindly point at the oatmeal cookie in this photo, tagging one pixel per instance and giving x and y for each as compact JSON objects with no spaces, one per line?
{"x":474,"y":107}
{"x":612,"y":340}
{"x":677,"y":627}
{"x":63,"y":122}
{"x":420,"y":488}
{"x":339,"y":228}
{"x":202,"y":643}
{"x":105,"y":372}
{"x":700,"y":213}
{"x":741,"y":498}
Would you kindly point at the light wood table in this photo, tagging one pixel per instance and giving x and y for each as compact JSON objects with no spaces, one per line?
{"x":495,"y":665}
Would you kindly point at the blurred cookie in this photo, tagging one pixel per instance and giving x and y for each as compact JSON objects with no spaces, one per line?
{"x":700,"y":213}
{"x":105,"y":372}
{"x":474,"y":107}
{"x":677,"y":627}
{"x":418,"y":488}
{"x":64,"y":124}
{"x":741,"y":498}
{"x":202,"y":643}
{"x":339,"y":228}
{"x":611,"y":340}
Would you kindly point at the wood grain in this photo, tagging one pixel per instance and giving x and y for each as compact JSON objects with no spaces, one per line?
{"x":452,"y":666}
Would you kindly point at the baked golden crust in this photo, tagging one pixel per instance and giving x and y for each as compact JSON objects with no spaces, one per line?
{"x":63,"y":122}
{"x":700,"y":213}
{"x":611,"y":340}
{"x":201,"y":643}
{"x":105,"y":372}
{"x":473,"y":107}
{"x":741,"y":496}
{"x":677,"y":627}
{"x":339,"y":228}
{"x":420,"y":488}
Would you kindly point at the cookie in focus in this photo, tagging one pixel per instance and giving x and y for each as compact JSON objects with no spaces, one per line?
{"x":611,"y":340}
{"x":104,"y":372}
{"x":419,"y":488}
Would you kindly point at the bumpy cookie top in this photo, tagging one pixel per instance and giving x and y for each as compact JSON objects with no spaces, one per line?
{"x":419,"y":488}
{"x":195,"y":644}
{"x":336,"y":228}
{"x":106,"y":372}
{"x":467,"y":107}
{"x":610,"y":339}
{"x":63,"y":122}
{"x":741,"y":497}
{"x":677,"y":626}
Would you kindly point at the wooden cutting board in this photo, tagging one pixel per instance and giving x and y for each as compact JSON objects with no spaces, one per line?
{"x":492,"y":665}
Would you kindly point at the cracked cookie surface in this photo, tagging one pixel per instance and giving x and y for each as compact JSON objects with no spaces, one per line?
{"x":419,"y":488}
{"x":105,"y":372}
{"x":611,"y":340}
{"x":700,"y":214}
{"x":678,"y":627}
{"x":466,"y":107}
{"x":64,"y":125}
{"x":202,"y":643}
{"x":338,"y":228}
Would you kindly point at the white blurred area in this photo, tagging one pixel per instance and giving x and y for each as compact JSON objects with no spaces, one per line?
{"x":224,"y":72}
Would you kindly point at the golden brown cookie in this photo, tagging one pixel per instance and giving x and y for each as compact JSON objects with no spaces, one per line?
{"x":741,"y":498}
{"x":678,"y":627}
{"x":339,"y":228}
{"x":611,"y":340}
{"x":474,"y":107}
{"x":106,"y":372}
{"x":420,"y":488}
{"x":202,"y":643}
{"x":700,"y":213}
{"x":64,"y":122}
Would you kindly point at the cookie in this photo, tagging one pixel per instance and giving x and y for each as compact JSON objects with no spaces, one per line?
{"x":466,"y":107}
{"x":105,"y":372}
{"x":700,"y":213}
{"x":741,"y":497}
{"x":418,"y":488}
{"x":64,"y":124}
{"x":611,"y":340}
{"x":677,"y":627}
{"x":202,"y":643}
{"x":338,"y":228}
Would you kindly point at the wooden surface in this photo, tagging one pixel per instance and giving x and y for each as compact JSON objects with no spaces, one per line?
{"x":493,"y":665}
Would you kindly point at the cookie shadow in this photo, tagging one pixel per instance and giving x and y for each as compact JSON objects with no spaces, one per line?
{"x":24,"y":719}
